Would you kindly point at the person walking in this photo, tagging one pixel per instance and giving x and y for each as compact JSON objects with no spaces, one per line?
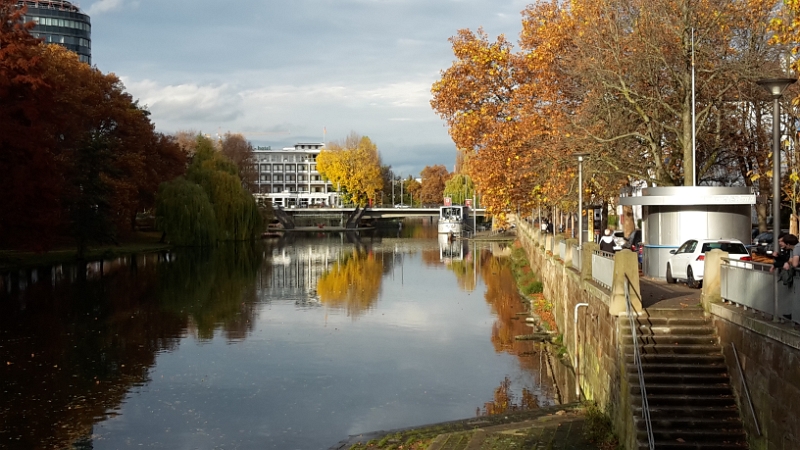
{"x":607,"y":242}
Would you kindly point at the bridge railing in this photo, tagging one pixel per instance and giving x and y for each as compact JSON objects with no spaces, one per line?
{"x":751,"y":286}
{"x":603,"y":268}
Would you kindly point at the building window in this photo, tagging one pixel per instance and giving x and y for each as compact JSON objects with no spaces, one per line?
{"x":265,"y":167}
{"x":290,"y":167}
{"x":277,"y":167}
{"x":301,"y":167}
{"x":313,"y":167}
{"x":265,"y":177}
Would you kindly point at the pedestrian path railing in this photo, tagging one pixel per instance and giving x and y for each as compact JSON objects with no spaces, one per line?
{"x":637,"y":359}
{"x":751,"y":286}
{"x":603,"y":268}
{"x":577,"y":258}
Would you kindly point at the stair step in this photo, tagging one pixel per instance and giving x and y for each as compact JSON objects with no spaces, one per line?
{"x":661,"y":368}
{"x":691,"y":311}
{"x":648,"y":330}
{"x":692,"y":401}
{"x":681,"y":378}
{"x":672,"y":339}
{"x":655,"y":349}
{"x":667,"y":412}
{"x":674,"y":321}
{"x":695,"y":435}
{"x":683,"y":389}
{"x":694,"y":423}
{"x":661,"y":445}
{"x":678,"y":359}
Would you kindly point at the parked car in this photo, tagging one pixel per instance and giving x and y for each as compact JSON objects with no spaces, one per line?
{"x":688,"y":261}
{"x":762,"y":244}
{"x":619,"y":240}
{"x":400,"y":206}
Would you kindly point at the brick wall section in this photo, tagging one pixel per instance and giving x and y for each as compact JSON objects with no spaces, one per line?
{"x":600,"y":371}
{"x":769,"y":354}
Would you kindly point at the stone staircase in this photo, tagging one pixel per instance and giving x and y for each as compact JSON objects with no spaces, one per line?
{"x":692,"y":405}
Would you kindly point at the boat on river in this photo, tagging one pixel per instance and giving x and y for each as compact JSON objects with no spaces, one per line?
{"x":453,"y":220}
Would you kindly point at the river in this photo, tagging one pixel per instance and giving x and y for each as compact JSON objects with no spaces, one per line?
{"x":290,"y":344}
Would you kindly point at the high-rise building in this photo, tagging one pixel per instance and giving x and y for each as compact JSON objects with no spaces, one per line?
{"x":60,"y":22}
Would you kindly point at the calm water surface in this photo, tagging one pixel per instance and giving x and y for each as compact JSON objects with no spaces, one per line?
{"x":289,"y":345}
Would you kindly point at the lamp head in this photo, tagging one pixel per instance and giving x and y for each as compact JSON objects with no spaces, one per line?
{"x":775,"y":86}
{"x":580,"y":155}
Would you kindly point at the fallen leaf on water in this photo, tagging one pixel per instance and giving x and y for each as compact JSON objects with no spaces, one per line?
{"x":680,"y":440}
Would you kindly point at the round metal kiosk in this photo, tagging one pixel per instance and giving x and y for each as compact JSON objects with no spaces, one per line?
{"x":672,"y":215}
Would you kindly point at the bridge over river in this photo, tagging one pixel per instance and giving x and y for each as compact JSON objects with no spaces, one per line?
{"x":352,"y":217}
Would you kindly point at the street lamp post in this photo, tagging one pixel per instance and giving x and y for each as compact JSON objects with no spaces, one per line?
{"x":580,"y":197}
{"x":401,"y":191}
{"x":775,"y":87}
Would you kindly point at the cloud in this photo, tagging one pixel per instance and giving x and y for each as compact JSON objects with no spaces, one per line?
{"x":103,"y":6}
{"x":188,"y":103}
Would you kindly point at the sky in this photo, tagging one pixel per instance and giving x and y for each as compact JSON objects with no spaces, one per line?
{"x":287,"y":71}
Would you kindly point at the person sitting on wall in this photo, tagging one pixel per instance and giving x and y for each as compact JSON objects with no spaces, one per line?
{"x":607,"y":242}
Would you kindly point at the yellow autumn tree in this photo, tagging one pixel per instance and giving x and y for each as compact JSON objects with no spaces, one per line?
{"x":352,"y":284}
{"x":354,"y":167}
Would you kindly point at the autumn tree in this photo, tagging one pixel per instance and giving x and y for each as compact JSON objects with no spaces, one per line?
{"x":353,"y":166}
{"x":56,"y":112}
{"x":434,"y":179}
{"x":30,"y":207}
{"x":612,"y":79}
{"x":411,"y":190}
{"x":237,"y":149}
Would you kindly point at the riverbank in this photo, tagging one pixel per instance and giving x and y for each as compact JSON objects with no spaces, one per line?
{"x":564,"y":427}
{"x":138,"y":242}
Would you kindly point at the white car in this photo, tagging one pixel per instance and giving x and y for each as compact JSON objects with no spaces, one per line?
{"x":400,"y":206}
{"x":688,"y":261}
{"x":619,"y":240}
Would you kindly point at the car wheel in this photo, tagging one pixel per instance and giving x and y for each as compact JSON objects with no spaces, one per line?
{"x":670,"y":280}
{"x":690,"y":281}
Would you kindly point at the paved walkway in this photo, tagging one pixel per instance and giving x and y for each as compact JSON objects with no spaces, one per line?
{"x":554,"y":428}
{"x":660,"y":294}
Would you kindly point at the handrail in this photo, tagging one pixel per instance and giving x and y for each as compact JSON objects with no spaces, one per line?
{"x":637,"y":359}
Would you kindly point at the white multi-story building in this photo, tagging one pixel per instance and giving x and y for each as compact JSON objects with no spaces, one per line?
{"x":289,"y":178}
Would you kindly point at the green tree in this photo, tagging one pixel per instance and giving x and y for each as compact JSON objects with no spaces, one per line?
{"x":235,"y":209}
{"x":459,"y":188}
{"x":185,"y":215}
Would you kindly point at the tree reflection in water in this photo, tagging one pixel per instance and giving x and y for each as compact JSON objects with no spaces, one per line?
{"x":70,"y":352}
{"x":353,"y":283}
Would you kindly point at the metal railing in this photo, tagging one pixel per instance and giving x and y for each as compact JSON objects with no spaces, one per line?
{"x":603,"y":268}
{"x":577,"y":258}
{"x":751,"y":286}
{"x":637,"y":359}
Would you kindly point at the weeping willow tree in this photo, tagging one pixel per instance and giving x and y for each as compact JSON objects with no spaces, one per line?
{"x":235,"y":214}
{"x":236,"y":211}
{"x":185,"y":215}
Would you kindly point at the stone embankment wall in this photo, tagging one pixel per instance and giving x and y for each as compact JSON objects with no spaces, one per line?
{"x":592,"y":339}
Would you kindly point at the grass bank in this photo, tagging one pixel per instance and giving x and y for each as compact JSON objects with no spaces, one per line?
{"x":138,"y":242}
